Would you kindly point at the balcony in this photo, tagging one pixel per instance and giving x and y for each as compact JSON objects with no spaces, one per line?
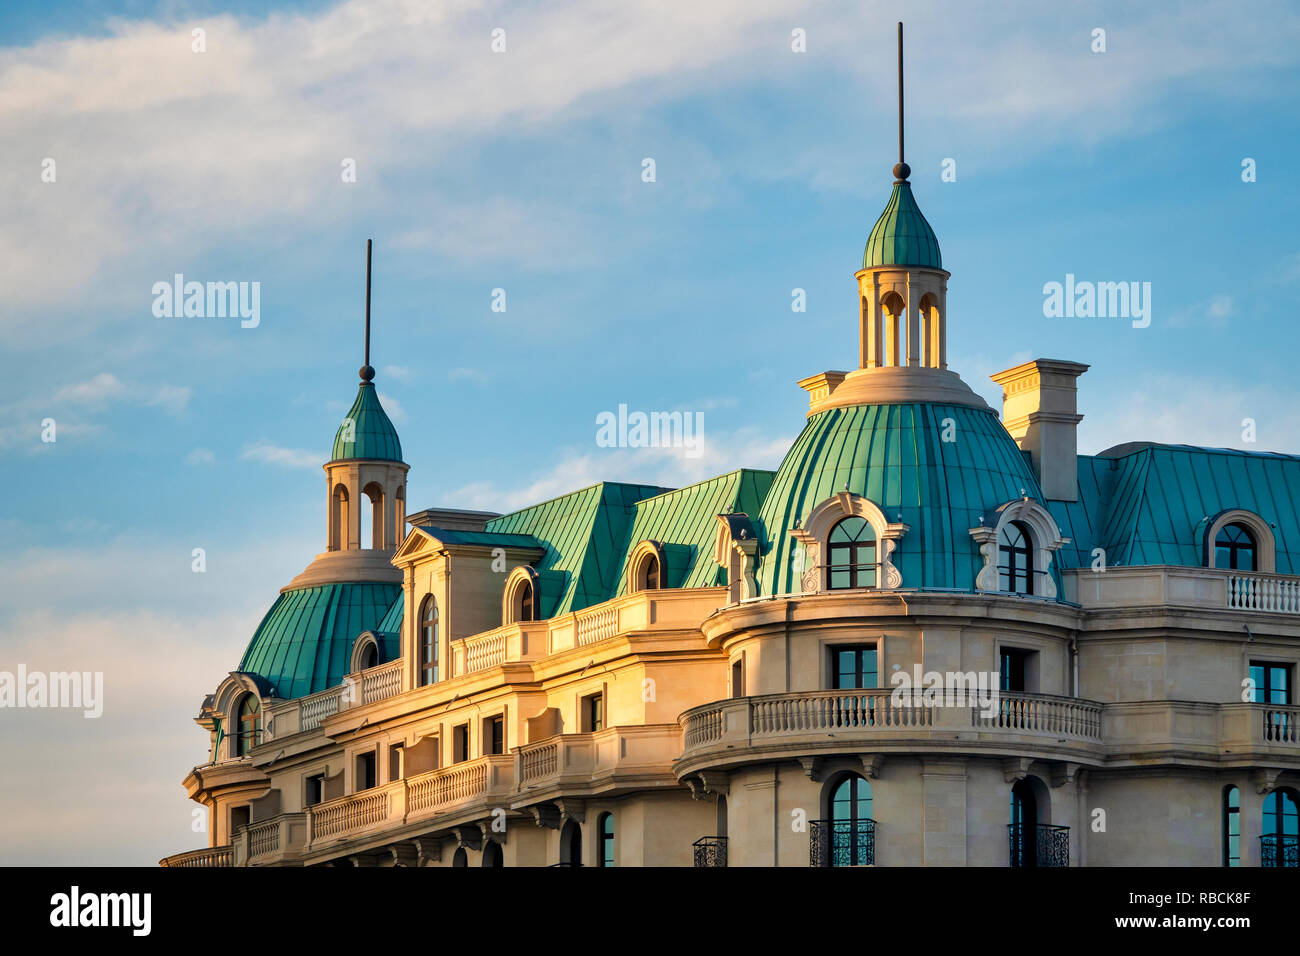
{"x":594,"y":761}
{"x":1150,"y":586}
{"x":1277,"y":849}
{"x":1267,"y":730}
{"x":710,"y":851}
{"x":513,"y":643}
{"x":842,"y":843}
{"x":208,"y":856}
{"x":308,"y":713}
{"x":280,"y":839}
{"x":1039,"y":845}
{"x":463,"y":787}
{"x":810,"y":723}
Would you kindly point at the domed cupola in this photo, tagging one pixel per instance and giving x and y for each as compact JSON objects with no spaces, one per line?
{"x":366,"y":432}
{"x":901,"y":236}
{"x":900,"y":448}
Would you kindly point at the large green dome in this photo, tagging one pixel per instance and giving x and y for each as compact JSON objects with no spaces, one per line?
{"x":366,"y":432}
{"x":901,"y":236}
{"x":304,"y":644}
{"x":895,"y":455}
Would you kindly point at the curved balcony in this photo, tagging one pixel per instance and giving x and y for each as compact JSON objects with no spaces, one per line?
{"x":826,"y":723}
{"x":208,"y":856}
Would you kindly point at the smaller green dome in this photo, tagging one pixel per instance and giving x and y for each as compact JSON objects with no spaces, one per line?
{"x":366,"y":432}
{"x":901,"y":236}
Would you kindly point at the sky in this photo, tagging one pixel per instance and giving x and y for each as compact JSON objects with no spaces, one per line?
{"x":523,"y":170}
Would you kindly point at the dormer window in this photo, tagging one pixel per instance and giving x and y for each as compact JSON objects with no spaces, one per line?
{"x":1234,"y":548}
{"x":520,"y":601}
{"x":249,"y":724}
{"x":851,"y":554}
{"x":1015,"y":559}
{"x":645,"y":567}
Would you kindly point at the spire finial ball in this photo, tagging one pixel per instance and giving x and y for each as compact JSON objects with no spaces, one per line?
{"x":902,"y":171}
{"x":367,"y":373}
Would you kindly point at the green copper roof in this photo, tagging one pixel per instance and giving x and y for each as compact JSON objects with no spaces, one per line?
{"x":366,"y":431}
{"x":895,"y":456}
{"x":304,"y":644}
{"x":685,"y":523}
{"x":584,"y":534}
{"x":1150,"y":503}
{"x":901,"y":236}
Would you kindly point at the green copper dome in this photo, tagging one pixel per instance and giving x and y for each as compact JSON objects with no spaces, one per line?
{"x":896,"y":456}
{"x":304,"y":644}
{"x":901,"y":236}
{"x":366,"y":432}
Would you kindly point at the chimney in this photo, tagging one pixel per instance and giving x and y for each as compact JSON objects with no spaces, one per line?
{"x":1039,"y":402}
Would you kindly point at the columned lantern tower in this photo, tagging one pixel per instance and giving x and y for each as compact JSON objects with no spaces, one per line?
{"x":902,"y":284}
{"x":366,"y":462}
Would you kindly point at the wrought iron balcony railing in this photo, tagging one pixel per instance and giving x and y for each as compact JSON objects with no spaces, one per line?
{"x":1279,"y":849}
{"x":710,"y":851}
{"x":1040,"y":845}
{"x":842,"y":843}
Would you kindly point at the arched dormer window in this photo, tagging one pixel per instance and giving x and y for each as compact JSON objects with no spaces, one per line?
{"x":847,"y":542}
{"x":851,"y":554}
{"x":520,"y":600}
{"x":365,"y":652}
{"x":1017,"y":542}
{"x":1015,"y":559}
{"x":428,"y":669}
{"x":1234,"y":548}
{"x":1239,"y":540}
{"x":645,"y":567}
{"x":248,"y":722}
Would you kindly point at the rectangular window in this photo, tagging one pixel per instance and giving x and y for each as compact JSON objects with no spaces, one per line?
{"x":1011,"y":665}
{"x":494,"y":735}
{"x":738,"y":678}
{"x":460,"y":743}
{"x":396,"y":762}
{"x":366,"y":770}
{"x":239,"y":817}
{"x":593,"y":713}
{"x":1231,"y":827}
{"x":1272,"y":682}
{"x":315,"y":789}
{"x":853,"y":666}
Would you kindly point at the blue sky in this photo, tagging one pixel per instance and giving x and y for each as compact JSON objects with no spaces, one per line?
{"x":522,"y":171}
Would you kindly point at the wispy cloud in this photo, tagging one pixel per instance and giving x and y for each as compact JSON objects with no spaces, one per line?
{"x":269,"y":453}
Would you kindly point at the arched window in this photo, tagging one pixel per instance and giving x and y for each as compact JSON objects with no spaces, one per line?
{"x":461,"y":858}
{"x":492,"y":854}
{"x":605,"y":830}
{"x":428,"y":642}
{"x":1231,"y":827}
{"x":848,"y":836}
{"x":1024,"y":825}
{"x":249,"y":724}
{"x":1280,"y":836}
{"x":571,"y":844}
{"x":1234,"y":548}
{"x":338,"y":540}
{"x":648,"y":575}
{"x":369,"y":656}
{"x":851,"y":554}
{"x":372,"y":516}
{"x":1015,"y":559}
{"x":525,"y":602}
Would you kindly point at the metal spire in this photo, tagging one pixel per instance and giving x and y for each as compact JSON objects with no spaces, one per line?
{"x":367,"y":373}
{"x":902,"y":170}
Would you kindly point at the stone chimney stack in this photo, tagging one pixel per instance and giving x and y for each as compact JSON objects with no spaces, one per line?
{"x":1039,"y":409}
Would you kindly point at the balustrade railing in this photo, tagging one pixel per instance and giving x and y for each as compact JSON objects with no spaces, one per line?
{"x":1264,"y":592}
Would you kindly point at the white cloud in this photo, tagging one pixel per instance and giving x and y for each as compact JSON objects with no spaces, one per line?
{"x":200,"y":456}
{"x":270,"y":453}
{"x":472,"y":375}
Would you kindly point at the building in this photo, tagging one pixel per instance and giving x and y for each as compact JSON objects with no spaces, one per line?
{"x":932,"y":637}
